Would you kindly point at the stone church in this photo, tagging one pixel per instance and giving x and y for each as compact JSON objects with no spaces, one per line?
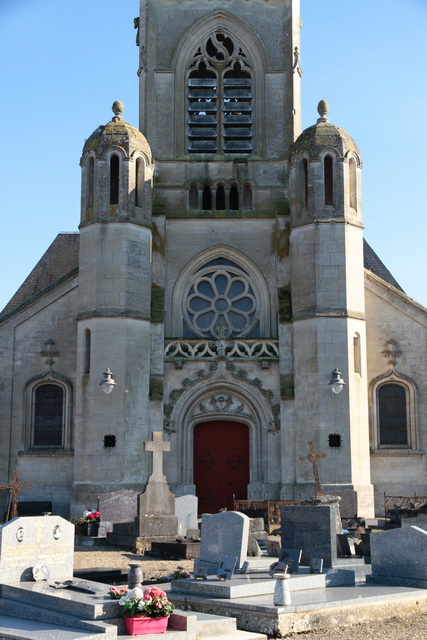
{"x":219,"y":289}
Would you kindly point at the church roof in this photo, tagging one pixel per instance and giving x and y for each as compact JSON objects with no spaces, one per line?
{"x":61,"y":262}
{"x":374,"y":264}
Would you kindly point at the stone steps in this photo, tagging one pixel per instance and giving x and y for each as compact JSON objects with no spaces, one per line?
{"x":12,"y":628}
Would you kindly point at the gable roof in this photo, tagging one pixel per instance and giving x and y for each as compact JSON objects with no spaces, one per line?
{"x":374,"y":264}
{"x":61,"y":262}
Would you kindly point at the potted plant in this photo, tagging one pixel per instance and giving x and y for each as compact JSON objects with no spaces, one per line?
{"x":92,"y":517}
{"x":146,"y":611}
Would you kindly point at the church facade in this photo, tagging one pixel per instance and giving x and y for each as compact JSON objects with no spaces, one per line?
{"x":221,"y":280}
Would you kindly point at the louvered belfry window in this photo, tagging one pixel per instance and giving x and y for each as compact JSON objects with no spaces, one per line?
{"x":220,"y":98}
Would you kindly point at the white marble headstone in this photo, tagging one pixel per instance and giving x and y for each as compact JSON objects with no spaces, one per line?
{"x":38,"y":540}
{"x":186,"y":511}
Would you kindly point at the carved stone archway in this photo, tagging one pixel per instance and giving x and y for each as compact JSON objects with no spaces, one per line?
{"x":222,"y":393}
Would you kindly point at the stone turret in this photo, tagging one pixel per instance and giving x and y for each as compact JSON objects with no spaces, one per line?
{"x":114,"y":299}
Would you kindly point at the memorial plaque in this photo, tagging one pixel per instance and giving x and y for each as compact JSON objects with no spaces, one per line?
{"x":227,"y":564}
{"x":316,"y":565}
{"x":291,"y":557}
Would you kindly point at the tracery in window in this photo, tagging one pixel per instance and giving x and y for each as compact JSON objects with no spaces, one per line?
{"x":221,"y":302}
{"x":219,"y":98}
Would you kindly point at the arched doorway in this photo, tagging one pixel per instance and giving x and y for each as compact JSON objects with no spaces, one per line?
{"x":221,"y":463}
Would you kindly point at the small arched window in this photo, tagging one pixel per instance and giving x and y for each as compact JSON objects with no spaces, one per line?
{"x":90,"y":181}
{"x":304,"y":183}
{"x":357,"y":353}
{"x":207,"y":198}
{"x":48,"y":418}
{"x":87,"y":348}
{"x":247,"y":196}
{"x":328,"y":177}
{"x":114,"y":179}
{"x":193,"y":197}
{"x":234,"y":197}
{"x":220,"y":197}
{"x":392,"y":415}
{"x":139,"y":181}
{"x":353,"y":183}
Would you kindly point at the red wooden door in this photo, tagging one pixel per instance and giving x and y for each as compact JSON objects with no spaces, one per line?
{"x":221,"y":464}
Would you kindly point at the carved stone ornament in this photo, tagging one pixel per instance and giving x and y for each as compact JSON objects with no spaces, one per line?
{"x":224,"y":401}
{"x":20,"y":534}
{"x":57,"y":532}
{"x":391,"y":352}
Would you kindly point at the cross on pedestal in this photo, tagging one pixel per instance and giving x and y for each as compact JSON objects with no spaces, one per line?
{"x":313,"y":457}
{"x":157,"y":445}
{"x":14,"y":488}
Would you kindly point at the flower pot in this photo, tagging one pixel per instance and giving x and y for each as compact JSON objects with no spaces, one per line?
{"x":92,"y":529}
{"x":143,"y":625}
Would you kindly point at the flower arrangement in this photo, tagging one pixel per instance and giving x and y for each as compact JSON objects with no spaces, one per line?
{"x":118,"y":592}
{"x":151,"y":603}
{"x":180,"y":574}
{"x":91,"y":515}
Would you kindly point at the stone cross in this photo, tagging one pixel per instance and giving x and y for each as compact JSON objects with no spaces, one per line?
{"x":14,"y":488}
{"x":157,"y":446}
{"x":313,"y":457}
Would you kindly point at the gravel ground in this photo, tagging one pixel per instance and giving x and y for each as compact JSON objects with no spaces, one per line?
{"x":406,"y":628}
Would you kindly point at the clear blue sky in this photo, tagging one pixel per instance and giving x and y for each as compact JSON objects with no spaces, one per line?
{"x":64,"y":63}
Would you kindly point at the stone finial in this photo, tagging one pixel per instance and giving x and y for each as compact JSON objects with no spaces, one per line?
{"x":118,"y":109}
{"x":322,"y":110}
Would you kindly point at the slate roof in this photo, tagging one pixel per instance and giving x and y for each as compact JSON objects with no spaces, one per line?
{"x":61,"y":262}
{"x":374,"y":264}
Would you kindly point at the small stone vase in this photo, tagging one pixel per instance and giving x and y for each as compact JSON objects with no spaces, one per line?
{"x":135,"y":575}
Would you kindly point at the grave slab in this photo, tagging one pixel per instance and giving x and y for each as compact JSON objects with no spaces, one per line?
{"x":36,"y":540}
{"x":186,"y":512}
{"x":399,"y":556}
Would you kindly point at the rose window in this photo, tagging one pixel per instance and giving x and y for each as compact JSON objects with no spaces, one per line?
{"x":221,"y":302}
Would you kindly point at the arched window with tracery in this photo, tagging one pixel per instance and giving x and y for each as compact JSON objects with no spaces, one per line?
{"x":220,"y":97}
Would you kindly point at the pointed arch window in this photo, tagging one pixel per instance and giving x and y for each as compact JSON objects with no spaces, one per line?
{"x":48,"y":401}
{"x":219,"y":98}
{"x":394,"y":413}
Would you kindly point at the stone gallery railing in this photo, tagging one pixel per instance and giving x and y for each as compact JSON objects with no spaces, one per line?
{"x":230,"y":349}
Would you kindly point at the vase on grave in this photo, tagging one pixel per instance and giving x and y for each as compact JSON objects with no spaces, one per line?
{"x":143,"y":625}
{"x":135,"y":575}
{"x":93,"y":529}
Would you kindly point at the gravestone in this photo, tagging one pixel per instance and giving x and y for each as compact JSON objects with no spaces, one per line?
{"x":399,"y":557}
{"x":343,"y":545}
{"x":156,"y":519}
{"x":311,"y":528}
{"x":117,"y":507}
{"x":36,"y":541}
{"x":186,"y":512}
{"x":223,"y":534}
{"x":419,"y":521}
